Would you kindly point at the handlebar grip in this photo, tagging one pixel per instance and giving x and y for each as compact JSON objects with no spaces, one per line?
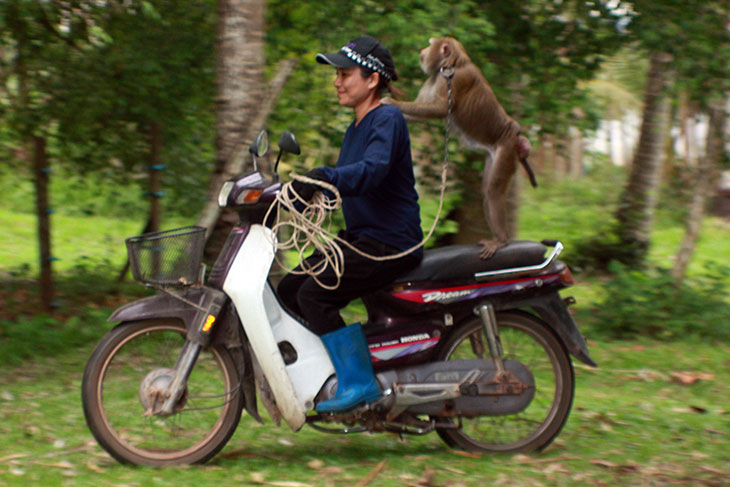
{"x":550,"y":243}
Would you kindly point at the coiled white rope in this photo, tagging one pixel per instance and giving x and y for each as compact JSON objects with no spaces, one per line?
{"x":308,"y":232}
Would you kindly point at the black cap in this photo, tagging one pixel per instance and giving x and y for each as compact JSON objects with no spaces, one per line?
{"x":364,"y":51}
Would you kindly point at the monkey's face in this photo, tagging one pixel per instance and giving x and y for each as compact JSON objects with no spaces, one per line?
{"x":423,"y":56}
{"x":433,"y":55}
{"x":352,"y":88}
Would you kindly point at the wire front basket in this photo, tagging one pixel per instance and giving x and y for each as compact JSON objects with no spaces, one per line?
{"x":167,"y":259}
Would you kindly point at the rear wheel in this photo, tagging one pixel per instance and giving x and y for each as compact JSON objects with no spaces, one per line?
{"x":527,"y":339}
{"x":121,"y":380}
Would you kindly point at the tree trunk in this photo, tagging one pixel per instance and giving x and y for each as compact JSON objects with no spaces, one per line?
{"x":239,"y":76}
{"x":636,"y":206}
{"x":575,"y":153}
{"x":40,"y":163}
{"x":469,"y":214}
{"x":155,"y":169}
{"x":702,"y":187}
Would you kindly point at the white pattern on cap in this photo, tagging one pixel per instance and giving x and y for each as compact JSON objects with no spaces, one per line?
{"x":370,"y":62}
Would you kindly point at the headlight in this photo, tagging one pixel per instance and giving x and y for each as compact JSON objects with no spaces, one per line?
{"x":223,"y":195}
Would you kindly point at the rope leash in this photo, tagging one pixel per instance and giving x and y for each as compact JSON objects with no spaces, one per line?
{"x":308,"y":232}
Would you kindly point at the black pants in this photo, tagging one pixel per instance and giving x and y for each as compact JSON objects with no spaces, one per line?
{"x":321,"y":307}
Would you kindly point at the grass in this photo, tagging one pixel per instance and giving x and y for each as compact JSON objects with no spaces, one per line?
{"x":634,"y":423}
{"x":76,"y":241}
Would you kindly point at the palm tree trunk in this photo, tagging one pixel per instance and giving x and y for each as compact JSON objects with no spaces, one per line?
{"x":702,"y":187}
{"x":635,"y":212}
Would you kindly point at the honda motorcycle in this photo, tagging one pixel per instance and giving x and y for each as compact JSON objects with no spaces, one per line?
{"x":478,"y":351}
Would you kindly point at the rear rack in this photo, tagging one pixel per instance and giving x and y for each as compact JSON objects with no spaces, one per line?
{"x":519,"y":271}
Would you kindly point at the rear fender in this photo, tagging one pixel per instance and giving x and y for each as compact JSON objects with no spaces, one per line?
{"x":553,"y":310}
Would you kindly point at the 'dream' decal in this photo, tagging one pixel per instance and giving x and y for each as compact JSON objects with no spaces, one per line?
{"x":472,"y":291}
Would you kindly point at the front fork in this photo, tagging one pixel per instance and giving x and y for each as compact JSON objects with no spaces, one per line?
{"x":198,"y":337}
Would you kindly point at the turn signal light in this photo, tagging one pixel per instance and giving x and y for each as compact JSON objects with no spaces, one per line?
{"x":249,"y":196}
{"x":566,"y":277}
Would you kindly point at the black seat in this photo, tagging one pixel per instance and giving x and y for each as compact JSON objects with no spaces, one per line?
{"x":463,"y":261}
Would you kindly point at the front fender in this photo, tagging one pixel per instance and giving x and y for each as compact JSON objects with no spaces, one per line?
{"x":160,"y":306}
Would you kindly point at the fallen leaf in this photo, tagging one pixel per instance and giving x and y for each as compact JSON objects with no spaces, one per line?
{"x":13,"y":457}
{"x":429,"y":476}
{"x":63,"y":464}
{"x":698,"y":409}
{"x":288,"y":484}
{"x":316,"y":464}
{"x":331,"y":471}
{"x":454,"y":470}
{"x":373,"y":473}
{"x":257,"y":477}
{"x":466,"y":454}
{"x":95,"y":468}
{"x":555,"y":468}
{"x":522,"y":458}
{"x":689,"y":377}
{"x":614,"y":466}
{"x":285,"y":442}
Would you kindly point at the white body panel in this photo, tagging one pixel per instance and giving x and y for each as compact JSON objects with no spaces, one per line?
{"x":266,"y":324}
{"x":313,"y":365}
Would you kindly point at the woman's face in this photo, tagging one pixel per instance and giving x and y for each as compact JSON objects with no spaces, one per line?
{"x":352,"y":88}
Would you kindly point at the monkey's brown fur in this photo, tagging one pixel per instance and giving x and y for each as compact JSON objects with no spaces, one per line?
{"x":481,"y":119}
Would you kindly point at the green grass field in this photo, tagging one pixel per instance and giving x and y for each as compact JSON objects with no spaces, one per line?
{"x":651,"y":415}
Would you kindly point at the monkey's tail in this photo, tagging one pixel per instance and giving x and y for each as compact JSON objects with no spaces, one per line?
{"x":523,"y":150}
{"x":530,"y":173}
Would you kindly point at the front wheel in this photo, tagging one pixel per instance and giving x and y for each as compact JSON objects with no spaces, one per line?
{"x":128,"y":366}
{"x":527,"y":339}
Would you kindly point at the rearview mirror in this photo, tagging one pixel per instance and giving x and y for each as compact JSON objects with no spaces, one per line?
{"x":260,"y":146}
{"x":288,"y":143}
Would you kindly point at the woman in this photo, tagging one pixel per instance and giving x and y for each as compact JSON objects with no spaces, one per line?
{"x":374,"y":175}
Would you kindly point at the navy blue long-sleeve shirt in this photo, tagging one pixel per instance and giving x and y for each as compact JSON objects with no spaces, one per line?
{"x":374,"y":175}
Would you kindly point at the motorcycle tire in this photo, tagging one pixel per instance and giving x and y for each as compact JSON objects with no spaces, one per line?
{"x":529,"y":340}
{"x":124,"y":372}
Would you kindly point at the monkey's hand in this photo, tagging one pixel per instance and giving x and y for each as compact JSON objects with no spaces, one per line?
{"x":387,"y":101}
{"x":489,"y":247}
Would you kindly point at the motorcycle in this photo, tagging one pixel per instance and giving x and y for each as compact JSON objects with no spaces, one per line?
{"x":478,"y":351}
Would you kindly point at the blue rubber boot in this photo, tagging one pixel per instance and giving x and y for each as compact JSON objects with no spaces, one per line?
{"x":356,"y":382}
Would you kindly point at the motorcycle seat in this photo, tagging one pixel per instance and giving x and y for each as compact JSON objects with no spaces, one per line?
{"x":463,"y":261}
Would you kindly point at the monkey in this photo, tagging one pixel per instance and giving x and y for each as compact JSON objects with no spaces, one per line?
{"x":480,"y":119}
